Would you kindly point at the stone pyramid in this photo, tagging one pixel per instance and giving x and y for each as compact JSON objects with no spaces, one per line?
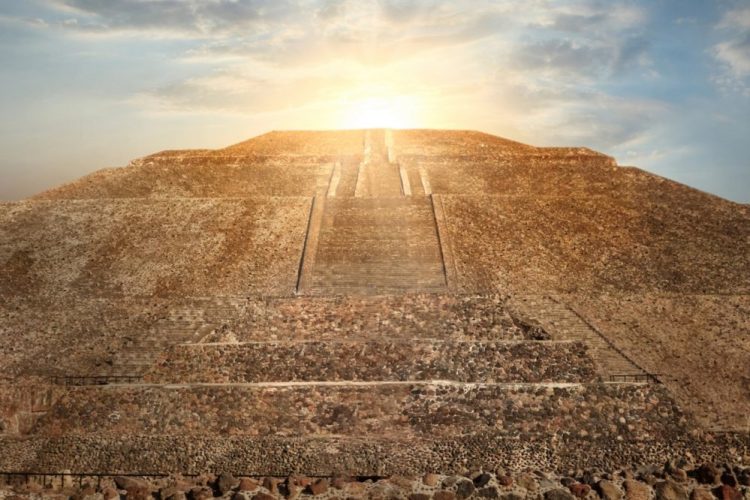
{"x":372,"y":302}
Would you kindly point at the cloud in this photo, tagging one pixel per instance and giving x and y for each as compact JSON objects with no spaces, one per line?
{"x":563,"y":58}
{"x":588,"y":17}
{"x":546,"y":65}
{"x":733,"y":53}
{"x":175,"y":17}
{"x":236,"y":93}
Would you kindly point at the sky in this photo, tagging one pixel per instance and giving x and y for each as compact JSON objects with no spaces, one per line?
{"x":659,"y":84}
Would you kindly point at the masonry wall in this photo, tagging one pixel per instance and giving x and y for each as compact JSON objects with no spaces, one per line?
{"x":140,"y":247}
{"x":21,"y":405}
{"x":634,"y":411}
{"x":207,"y":176}
{"x":597,"y":243}
{"x":375,"y":360}
{"x":245,"y":455}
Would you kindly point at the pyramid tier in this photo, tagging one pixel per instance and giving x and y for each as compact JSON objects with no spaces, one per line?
{"x":374,"y":360}
{"x":387,"y":409}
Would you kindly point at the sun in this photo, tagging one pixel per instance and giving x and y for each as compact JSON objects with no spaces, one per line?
{"x":380,"y":112}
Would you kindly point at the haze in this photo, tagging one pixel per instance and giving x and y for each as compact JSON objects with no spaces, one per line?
{"x":88,"y":84}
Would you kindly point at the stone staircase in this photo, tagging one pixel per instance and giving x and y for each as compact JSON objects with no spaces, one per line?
{"x":555,"y":316}
{"x":395,"y":320}
{"x":347,"y":170}
{"x":364,"y":385}
{"x":391,"y":359}
{"x":378,"y":176}
{"x":188,"y":321}
{"x":377,"y":245}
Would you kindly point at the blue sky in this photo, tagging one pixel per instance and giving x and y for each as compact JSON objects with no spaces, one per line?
{"x":660,"y":84}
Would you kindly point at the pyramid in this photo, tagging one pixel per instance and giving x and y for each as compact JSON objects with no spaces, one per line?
{"x":374,"y":303}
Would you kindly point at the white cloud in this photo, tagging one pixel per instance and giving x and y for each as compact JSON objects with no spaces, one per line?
{"x":736,"y":18}
{"x":185,"y":17}
{"x":546,"y":65}
{"x":736,"y":54}
{"x":733,"y":53}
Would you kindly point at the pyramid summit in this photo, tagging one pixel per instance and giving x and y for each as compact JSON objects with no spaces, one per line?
{"x":372,"y":303}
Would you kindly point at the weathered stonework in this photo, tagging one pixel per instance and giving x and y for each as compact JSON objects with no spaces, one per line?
{"x":377,"y":303}
{"x":373,"y":360}
{"x":672,"y":481}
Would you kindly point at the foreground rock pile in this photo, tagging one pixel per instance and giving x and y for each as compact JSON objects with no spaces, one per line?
{"x":671,"y":482}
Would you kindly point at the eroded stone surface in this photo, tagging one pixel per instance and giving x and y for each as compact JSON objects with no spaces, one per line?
{"x":102,"y":277}
{"x":464,"y":361}
{"x":474,"y":484}
{"x":633,"y":412}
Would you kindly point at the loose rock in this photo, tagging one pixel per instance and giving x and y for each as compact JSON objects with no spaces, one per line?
{"x":670,"y":490}
{"x":558,"y":494}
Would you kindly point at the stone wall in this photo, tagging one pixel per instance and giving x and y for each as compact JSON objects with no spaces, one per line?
{"x":538,"y":174}
{"x":177,"y":247}
{"x":453,"y":142}
{"x":72,"y":336}
{"x":209,"y":176}
{"x":371,"y":456}
{"x":594,"y":244}
{"x":633,"y":412}
{"x":307,"y":142}
{"x":375,"y":360}
{"x":59,"y":336}
{"x":21,"y":405}
{"x":674,"y":481}
{"x":700,"y":343}
{"x":414,"y":315}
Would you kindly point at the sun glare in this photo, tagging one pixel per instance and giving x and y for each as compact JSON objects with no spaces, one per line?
{"x":380,"y":112}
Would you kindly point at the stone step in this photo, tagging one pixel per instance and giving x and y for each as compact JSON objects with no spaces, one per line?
{"x":369,"y":245}
{"x":562,"y":322}
{"x":366,"y":272}
{"x":406,"y":255}
{"x":411,"y":315}
{"x":371,"y":316}
{"x":335,"y":288}
{"x":379,"y":178}
{"x":396,"y":410}
{"x":368,"y":456}
{"x":369,"y":230}
{"x":349,"y":167}
{"x":323,"y":314}
{"x":369,"y":205}
{"x":374,"y":360}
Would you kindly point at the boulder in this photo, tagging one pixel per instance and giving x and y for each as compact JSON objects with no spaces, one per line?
{"x":726,"y":492}
{"x":431,"y":479}
{"x":608,"y":490}
{"x":225,"y":483}
{"x":707,"y":474}
{"x":670,"y":490}
{"x":636,"y":490}
{"x":699,"y":493}
{"x":558,"y":494}
{"x":580,"y":490}
{"x":319,"y":486}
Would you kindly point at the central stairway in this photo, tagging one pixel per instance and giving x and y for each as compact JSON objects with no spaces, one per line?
{"x":367,"y":386}
{"x":377,"y":245}
{"x":380,"y":240}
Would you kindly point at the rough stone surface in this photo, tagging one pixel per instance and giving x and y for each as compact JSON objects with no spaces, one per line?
{"x":376,"y":303}
{"x":382,"y":409}
{"x":465,"y":361}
